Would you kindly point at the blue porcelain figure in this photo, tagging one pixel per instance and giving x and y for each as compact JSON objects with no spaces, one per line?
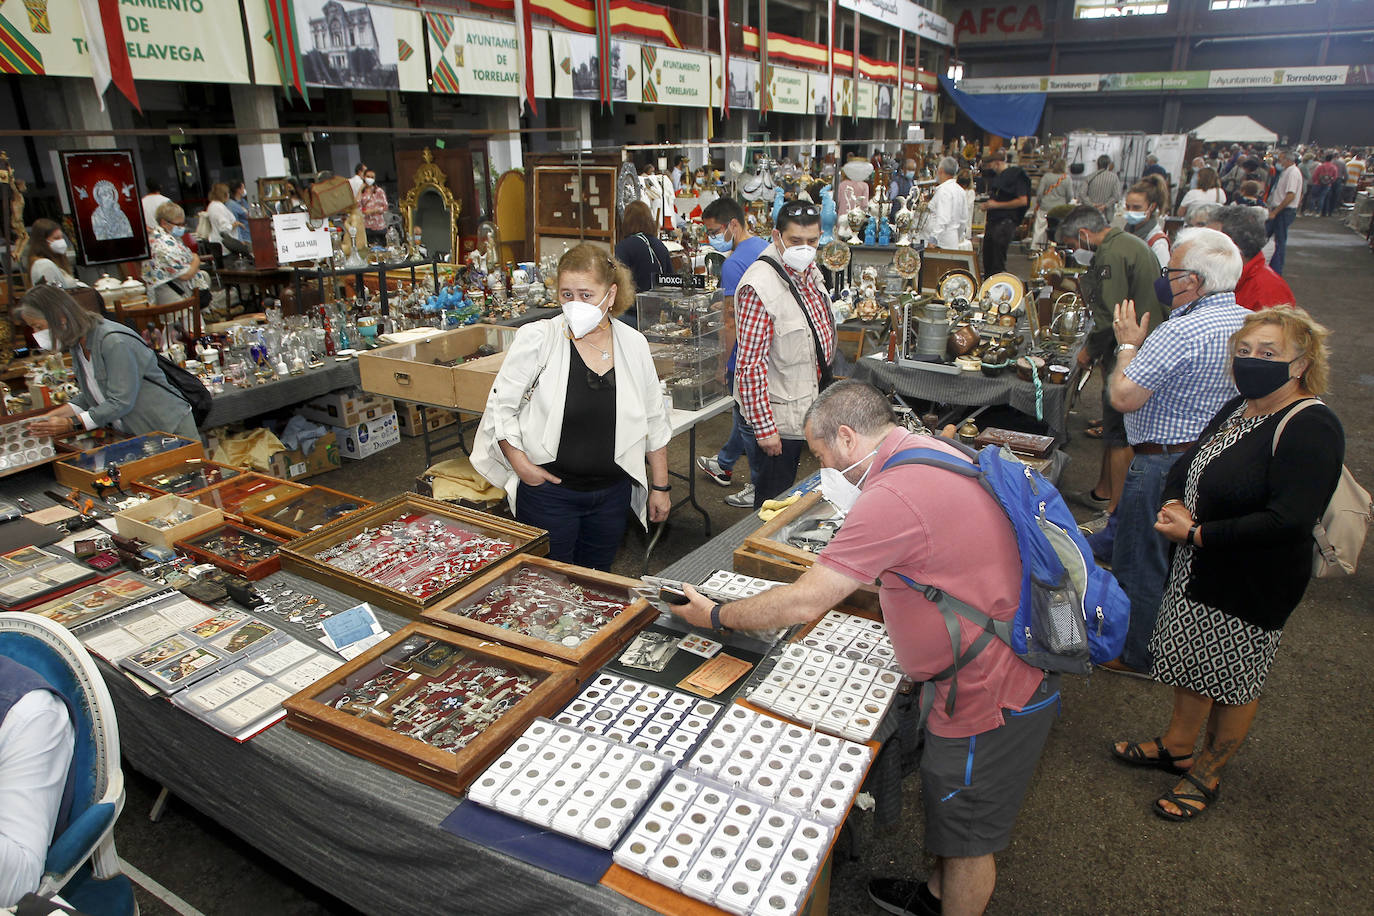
{"x":885,"y":232}
{"x":871,"y":232}
{"x":828,"y":215}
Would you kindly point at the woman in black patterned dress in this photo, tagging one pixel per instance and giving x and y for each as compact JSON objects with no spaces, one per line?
{"x":1240,"y":507}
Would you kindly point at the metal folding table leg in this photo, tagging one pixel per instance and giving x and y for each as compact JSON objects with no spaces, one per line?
{"x":691,"y":499}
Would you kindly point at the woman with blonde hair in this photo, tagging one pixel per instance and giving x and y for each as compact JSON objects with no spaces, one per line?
{"x":1239,"y":507}
{"x":575,"y":413}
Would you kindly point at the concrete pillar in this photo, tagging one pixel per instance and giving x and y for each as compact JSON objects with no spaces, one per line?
{"x":262,"y":156}
{"x":505,"y":150}
{"x":84,"y":112}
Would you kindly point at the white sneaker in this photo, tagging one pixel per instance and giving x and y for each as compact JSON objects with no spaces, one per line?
{"x":744,"y":499}
{"x":710,"y":466}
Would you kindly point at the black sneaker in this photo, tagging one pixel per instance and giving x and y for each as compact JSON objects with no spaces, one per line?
{"x":900,"y":897}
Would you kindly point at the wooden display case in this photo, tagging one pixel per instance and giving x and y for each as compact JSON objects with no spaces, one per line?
{"x":303,"y":556}
{"x":131,"y":456}
{"x":295,"y":515}
{"x":136,"y":521}
{"x":246,"y":492}
{"x":367,"y":732}
{"x":186,"y":478}
{"x":767,"y":555}
{"x":463,"y":612}
{"x":208,"y":548}
{"x":563,"y":212}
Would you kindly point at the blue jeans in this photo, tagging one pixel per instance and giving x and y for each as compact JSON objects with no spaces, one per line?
{"x":585,"y":527}
{"x":770,"y":474}
{"x":1140,"y":557}
{"x":1278,"y":228}
{"x":1326,"y":202}
{"x":735,"y":446}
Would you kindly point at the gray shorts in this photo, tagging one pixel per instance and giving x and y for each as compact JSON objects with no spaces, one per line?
{"x":971,"y":788}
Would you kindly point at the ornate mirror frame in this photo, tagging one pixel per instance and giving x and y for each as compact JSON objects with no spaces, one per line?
{"x":429,"y":177}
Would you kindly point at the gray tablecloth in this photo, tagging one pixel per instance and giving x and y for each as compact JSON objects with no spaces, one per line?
{"x":367,"y":835}
{"x":967,"y":388}
{"x":235,"y":404}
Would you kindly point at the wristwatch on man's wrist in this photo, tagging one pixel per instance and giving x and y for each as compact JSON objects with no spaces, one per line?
{"x":715,"y":619}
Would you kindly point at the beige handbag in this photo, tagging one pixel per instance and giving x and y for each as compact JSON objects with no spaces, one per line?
{"x":1338,"y":537}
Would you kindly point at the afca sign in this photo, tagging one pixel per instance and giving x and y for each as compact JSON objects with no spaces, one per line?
{"x":1000,"y":22}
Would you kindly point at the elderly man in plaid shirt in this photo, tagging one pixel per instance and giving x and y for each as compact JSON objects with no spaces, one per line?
{"x":786,"y":336}
{"x":1168,"y":386}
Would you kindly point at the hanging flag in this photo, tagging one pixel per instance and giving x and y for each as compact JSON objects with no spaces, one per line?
{"x":763,"y":58}
{"x":17,"y":53}
{"x":901,"y":68}
{"x":603,"y":54}
{"x":524,"y":40}
{"x":440,"y":26}
{"x":286,"y":43}
{"x":724,"y":19}
{"x":830,"y":68}
{"x":108,"y":53}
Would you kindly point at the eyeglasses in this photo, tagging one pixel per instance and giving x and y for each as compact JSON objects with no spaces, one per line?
{"x":799,"y":209}
{"x":1165,"y":271}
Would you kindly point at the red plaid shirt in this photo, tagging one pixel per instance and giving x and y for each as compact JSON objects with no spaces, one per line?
{"x":754,"y":335}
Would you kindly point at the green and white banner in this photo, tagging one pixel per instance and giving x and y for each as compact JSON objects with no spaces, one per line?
{"x":787,"y":90}
{"x":1164,"y":80}
{"x":676,"y":77}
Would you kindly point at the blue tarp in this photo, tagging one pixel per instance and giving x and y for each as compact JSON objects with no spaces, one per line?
{"x":1004,"y":115}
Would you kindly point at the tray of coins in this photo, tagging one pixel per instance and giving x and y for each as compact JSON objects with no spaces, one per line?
{"x":247,"y":492}
{"x":186,"y":477}
{"x":243,"y":551}
{"x":305,"y":512}
{"x":20,"y":450}
{"x":578,"y":615}
{"x":410,"y":552}
{"x":128,"y":459}
{"x":432,"y":704}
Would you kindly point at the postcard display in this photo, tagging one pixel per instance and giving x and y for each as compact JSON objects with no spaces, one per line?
{"x":227,"y":668}
{"x":29,"y":575}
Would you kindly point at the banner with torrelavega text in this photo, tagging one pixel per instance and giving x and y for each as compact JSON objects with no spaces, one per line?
{"x":198,"y":41}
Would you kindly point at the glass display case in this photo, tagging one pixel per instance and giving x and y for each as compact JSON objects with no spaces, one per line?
{"x":410,"y":552}
{"x":130,"y":459}
{"x":243,"y":551}
{"x":689,"y":323}
{"x":186,"y":477}
{"x":247,"y":492}
{"x":434,"y":705}
{"x":578,"y":615}
{"x":302,"y":513}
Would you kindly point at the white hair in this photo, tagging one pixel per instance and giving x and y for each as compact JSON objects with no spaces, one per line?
{"x":950,"y":166}
{"x":1212,"y":256}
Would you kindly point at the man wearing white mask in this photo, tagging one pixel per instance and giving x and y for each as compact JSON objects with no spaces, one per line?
{"x":785,"y":332}
{"x":357,"y":182}
{"x":980,"y":751}
{"x":574,"y":416}
{"x":947,"y":222}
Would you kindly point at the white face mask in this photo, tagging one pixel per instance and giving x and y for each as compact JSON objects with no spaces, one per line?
{"x":799,"y":257}
{"x":369,"y":181}
{"x":44,"y":339}
{"x":583,"y":317}
{"x":59,"y":246}
{"x":837,"y":489}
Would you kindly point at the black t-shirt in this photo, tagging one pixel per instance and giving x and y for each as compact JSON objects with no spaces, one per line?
{"x":586,"y":448}
{"x":1011,"y":183}
{"x":646,"y":257}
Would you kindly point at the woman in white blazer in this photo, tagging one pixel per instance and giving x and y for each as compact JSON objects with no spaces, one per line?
{"x":573,"y":415}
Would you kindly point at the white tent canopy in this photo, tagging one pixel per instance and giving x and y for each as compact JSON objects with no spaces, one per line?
{"x":1234,"y":129}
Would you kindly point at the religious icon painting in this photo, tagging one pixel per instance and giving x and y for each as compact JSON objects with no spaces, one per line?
{"x":102,"y":193}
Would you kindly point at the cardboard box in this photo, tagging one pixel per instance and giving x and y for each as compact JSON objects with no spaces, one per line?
{"x":436,"y":370}
{"x":408,"y":418}
{"x":345,"y":407}
{"x":370,"y":437}
{"x":133,"y":522}
{"x":293,"y":464}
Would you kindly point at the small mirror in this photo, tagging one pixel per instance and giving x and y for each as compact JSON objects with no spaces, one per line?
{"x":433,"y":220}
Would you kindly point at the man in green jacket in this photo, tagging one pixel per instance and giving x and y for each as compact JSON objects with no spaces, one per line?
{"x":1120,"y":266}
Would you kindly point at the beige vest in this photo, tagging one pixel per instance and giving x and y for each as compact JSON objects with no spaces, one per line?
{"x":792,"y":374}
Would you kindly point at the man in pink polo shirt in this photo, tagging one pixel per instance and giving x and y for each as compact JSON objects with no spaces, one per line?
{"x":935,"y":527}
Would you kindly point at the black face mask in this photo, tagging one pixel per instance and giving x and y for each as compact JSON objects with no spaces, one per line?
{"x":1257,"y":378}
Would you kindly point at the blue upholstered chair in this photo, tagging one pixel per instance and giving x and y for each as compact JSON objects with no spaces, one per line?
{"x":82,"y":864}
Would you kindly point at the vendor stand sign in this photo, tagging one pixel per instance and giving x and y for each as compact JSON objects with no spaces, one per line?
{"x":103,"y":191}
{"x":297,"y":242}
{"x":199,"y":41}
{"x":787,"y":90}
{"x":676,"y":77}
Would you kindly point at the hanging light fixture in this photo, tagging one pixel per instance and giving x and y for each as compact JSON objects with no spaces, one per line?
{"x":955,"y":71}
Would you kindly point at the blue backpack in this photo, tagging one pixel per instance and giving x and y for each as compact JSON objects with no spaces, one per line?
{"x":1072,"y":613}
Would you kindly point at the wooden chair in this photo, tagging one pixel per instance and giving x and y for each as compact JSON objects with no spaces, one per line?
{"x":142,"y":317}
